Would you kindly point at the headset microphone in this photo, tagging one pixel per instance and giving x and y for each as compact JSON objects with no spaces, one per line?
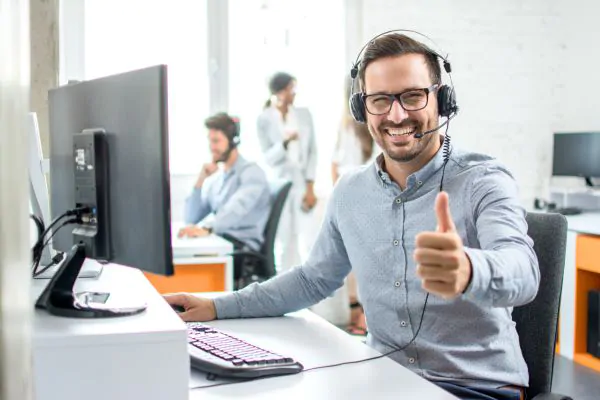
{"x":421,"y":134}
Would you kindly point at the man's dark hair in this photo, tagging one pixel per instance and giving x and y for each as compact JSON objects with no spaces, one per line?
{"x":396,"y":44}
{"x":224,"y":123}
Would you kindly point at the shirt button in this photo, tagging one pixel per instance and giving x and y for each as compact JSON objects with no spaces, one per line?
{"x":411,"y":360}
{"x":397,"y":284}
{"x":402,"y":323}
{"x":396,"y":242}
{"x":398,"y":201}
{"x":419,"y":183}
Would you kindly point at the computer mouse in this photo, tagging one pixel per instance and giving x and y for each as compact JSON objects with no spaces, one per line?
{"x":178,"y":309}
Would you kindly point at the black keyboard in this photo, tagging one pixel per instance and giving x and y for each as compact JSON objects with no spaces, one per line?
{"x":220,"y":354}
{"x":568,"y":210}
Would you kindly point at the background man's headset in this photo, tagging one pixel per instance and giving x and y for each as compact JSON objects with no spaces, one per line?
{"x":233,"y":137}
{"x":447,"y":108}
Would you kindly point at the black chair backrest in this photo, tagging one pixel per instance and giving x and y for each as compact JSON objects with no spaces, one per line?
{"x":279,"y":193}
{"x":537,"y":321}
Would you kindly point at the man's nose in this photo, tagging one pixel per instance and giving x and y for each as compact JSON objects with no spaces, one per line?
{"x":397,"y":114}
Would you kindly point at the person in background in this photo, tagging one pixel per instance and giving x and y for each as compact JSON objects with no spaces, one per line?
{"x":287,"y":138}
{"x":354,"y":147}
{"x":233,"y":191}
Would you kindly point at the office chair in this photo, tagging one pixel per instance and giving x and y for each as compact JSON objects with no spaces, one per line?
{"x":537,"y":321}
{"x":262,"y":265}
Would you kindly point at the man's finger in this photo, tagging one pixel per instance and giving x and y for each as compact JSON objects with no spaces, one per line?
{"x":436,"y":240}
{"x":442,"y":258}
{"x":442,"y":212}
{"x":441,"y":289}
{"x":176,"y":299}
{"x":434,"y":273}
{"x":186,"y":316}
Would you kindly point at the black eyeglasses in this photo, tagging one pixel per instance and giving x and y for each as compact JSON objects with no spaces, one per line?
{"x":410,"y":100}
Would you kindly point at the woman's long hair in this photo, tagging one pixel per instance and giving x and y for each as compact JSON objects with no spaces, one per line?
{"x":360,"y":130}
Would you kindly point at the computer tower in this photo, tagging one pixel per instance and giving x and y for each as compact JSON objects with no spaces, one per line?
{"x":593,"y":337}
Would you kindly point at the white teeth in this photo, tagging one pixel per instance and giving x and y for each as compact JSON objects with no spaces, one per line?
{"x":401,"y":131}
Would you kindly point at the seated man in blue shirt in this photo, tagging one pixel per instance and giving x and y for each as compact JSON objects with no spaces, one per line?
{"x":436,"y":237}
{"x":236,"y":193}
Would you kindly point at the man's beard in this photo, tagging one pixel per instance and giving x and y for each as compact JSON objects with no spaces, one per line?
{"x":417,"y":147}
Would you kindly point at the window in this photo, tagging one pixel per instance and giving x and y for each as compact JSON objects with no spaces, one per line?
{"x":304,"y":38}
{"x":126,"y":35}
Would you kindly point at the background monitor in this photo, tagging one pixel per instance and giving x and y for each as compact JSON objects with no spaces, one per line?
{"x":38,"y":188}
{"x":577,"y":154}
{"x":131,"y":108}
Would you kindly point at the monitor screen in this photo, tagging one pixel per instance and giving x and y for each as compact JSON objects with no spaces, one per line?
{"x":131,"y":108}
{"x":576,"y":154}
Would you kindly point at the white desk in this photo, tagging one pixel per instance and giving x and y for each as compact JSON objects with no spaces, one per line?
{"x":201,"y":264}
{"x":314,"y":342}
{"x":141,"y":356}
{"x":210,"y":249}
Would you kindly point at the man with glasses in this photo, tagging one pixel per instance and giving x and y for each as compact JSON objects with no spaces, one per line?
{"x":470,"y":251}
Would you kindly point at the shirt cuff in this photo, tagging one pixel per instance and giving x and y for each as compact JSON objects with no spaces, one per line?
{"x":478,"y":289}
{"x":227,"y":306}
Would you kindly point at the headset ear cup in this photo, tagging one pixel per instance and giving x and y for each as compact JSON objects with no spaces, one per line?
{"x":235,"y":141}
{"x":357,"y":108}
{"x":446,"y":101}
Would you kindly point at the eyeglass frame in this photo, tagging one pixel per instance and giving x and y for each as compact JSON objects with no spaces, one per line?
{"x":396,"y":96}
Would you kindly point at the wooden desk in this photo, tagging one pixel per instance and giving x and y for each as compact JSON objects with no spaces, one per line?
{"x":201,"y":265}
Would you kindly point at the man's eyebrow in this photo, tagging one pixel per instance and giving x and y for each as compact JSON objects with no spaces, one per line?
{"x":388,"y":92}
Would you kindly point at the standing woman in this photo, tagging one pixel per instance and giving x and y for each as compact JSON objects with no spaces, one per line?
{"x":287,"y":139}
{"x":354,"y":146}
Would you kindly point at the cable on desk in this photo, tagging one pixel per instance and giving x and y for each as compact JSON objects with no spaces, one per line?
{"x":213,"y":377}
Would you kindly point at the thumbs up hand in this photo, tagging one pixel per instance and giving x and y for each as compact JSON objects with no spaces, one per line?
{"x":442,"y":264}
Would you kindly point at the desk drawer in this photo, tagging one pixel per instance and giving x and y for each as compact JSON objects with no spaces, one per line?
{"x":588,"y":253}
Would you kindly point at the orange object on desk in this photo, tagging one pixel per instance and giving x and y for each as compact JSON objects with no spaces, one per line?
{"x":190,"y":278}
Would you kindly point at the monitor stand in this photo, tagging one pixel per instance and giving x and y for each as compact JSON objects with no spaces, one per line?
{"x":58,"y":298}
{"x":90,"y":269}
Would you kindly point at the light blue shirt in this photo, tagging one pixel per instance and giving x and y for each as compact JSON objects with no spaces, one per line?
{"x":370,"y":228}
{"x":239,"y":200}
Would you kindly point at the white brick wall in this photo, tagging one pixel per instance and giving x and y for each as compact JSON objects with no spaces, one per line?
{"x":522,"y":71}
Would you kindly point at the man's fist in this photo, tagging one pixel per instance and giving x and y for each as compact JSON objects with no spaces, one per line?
{"x":207,"y":170}
{"x":442,"y":263}
{"x":193,"y":231}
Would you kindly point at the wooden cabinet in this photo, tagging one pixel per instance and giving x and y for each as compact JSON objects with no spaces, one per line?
{"x":587,"y":277}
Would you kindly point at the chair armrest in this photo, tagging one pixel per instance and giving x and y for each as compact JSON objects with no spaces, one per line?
{"x":551,"y":396}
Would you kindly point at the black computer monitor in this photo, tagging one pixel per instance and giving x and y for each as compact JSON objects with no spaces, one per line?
{"x":577,"y":154}
{"x":109,"y":164}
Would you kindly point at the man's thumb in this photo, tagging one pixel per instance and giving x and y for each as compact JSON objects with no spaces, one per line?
{"x":442,"y":212}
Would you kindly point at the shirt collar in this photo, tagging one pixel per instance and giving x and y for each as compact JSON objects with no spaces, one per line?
{"x":237,"y":165}
{"x":418,"y":177}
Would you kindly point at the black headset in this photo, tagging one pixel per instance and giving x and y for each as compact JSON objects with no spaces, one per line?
{"x":446,"y":96}
{"x":234,"y":138}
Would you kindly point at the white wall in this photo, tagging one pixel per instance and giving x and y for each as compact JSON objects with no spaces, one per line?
{"x":522,"y":71}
